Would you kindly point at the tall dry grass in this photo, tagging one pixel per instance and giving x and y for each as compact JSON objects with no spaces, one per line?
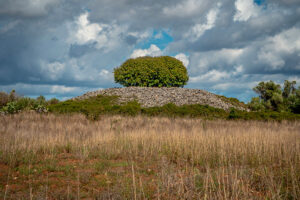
{"x":189,"y":158}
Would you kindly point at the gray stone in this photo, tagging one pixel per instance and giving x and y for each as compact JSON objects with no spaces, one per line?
{"x":150,"y":97}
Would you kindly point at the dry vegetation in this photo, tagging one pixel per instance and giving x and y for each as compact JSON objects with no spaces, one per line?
{"x":70,"y":157}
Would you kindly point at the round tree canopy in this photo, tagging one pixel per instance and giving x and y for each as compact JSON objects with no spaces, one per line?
{"x":164,"y":71}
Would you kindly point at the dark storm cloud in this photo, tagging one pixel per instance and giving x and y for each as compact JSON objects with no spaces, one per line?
{"x":80,"y":50}
{"x":65,"y":47}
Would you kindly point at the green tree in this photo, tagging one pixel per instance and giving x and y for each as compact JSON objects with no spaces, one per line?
{"x":295,"y":107}
{"x":256,"y":104}
{"x":162,"y":71}
{"x":271,"y":95}
{"x":289,"y":88}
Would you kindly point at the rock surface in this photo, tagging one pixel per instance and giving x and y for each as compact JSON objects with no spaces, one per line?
{"x":150,"y":97}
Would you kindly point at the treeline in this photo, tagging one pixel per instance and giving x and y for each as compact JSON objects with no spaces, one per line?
{"x":274,"y":98}
{"x":13,"y":103}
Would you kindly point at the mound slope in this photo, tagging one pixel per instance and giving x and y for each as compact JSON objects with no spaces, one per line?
{"x":150,"y":97}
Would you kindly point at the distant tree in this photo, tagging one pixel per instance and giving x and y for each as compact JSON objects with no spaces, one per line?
{"x":271,"y":95}
{"x":161,"y":71}
{"x":266,"y":90}
{"x":289,"y":88}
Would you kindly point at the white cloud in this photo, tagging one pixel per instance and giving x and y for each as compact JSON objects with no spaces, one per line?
{"x":9,"y":26}
{"x":141,"y":35}
{"x":105,"y":36}
{"x":60,"y":89}
{"x":183,"y":58}
{"x":238,"y":70}
{"x":199,"y":29}
{"x":87,"y":32}
{"x":105,"y":74}
{"x":211,"y":76}
{"x":233,"y":85}
{"x":185,"y":8}
{"x":245,"y":10}
{"x":159,"y":35}
{"x":152,"y":51}
{"x":53,"y":70}
{"x":202,"y":62}
{"x":275,"y":48}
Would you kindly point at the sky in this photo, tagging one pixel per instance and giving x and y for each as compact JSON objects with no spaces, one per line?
{"x":63,"y":48}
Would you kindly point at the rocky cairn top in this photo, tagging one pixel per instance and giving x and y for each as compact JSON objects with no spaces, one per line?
{"x":152,"y":96}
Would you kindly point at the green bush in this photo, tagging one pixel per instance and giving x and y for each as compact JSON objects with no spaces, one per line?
{"x":53,"y":101}
{"x":26,"y":103}
{"x":11,"y":108}
{"x":162,"y":71}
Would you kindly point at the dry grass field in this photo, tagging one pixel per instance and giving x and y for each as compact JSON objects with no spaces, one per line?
{"x":70,"y":157}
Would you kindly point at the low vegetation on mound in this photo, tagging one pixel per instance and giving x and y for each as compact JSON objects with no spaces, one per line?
{"x":103,"y":105}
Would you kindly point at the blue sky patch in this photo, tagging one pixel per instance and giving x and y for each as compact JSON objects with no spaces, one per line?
{"x":259,"y":2}
{"x":160,"y":38}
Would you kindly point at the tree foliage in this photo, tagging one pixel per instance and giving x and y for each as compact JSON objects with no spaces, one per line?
{"x":162,"y":71}
{"x":272,"y":97}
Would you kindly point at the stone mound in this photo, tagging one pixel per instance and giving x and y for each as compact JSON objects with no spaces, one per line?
{"x":150,"y":97}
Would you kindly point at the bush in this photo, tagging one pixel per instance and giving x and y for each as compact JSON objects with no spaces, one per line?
{"x":11,"y":108}
{"x":4,"y":99}
{"x":256,"y":104}
{"x":162,"y":71}
{"x":53,"y":101}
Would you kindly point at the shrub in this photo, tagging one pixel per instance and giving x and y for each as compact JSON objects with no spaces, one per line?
{"x":256,"y":104}
{"x":11,"y":108}
{"x":25,"y":103}
{"x":162,"y":71}
{"x":53,"y":101}
{"x":4,"y":99}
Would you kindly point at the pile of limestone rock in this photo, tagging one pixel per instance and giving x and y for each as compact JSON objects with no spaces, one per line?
{"x":150,"y":97}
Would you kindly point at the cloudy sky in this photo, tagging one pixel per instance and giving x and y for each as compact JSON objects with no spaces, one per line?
{"x":63,"y":48}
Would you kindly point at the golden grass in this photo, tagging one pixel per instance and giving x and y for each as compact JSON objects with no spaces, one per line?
{"x":145,"y":158}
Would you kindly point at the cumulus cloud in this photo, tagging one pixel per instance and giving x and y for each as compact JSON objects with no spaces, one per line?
{"x":105,"y":36}
{"x":183,"y":58}
{"x":276,"y":48}
{"x":53,"y":70}
{"x":245,"y":9}
{"x":198,"y":29}
{"x":153,"y":50}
